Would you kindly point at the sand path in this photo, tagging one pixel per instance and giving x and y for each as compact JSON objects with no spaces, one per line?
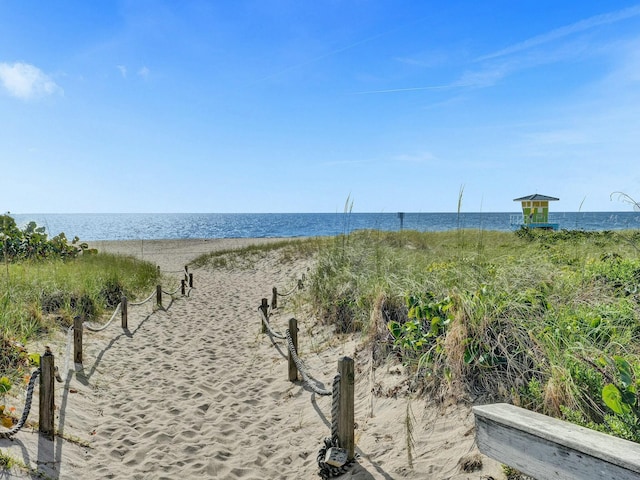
{"x":195,"y":391}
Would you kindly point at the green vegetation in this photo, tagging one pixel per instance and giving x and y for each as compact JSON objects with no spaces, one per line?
{"x":549,"y":321}
{"x":546,"y":320}
{"x":46,"y":282}
{"x":245,"y":257}
{"x":33,"y":243}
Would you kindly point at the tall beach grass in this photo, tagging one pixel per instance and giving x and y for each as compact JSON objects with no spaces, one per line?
{"x":37,"y":297}
{"x":533,"y":318}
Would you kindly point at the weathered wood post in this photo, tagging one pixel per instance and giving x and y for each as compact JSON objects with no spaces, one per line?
{"x":300,"y":285}
{"x":183,"y":286}
{"x":274,"y":298}
{"x":47,"y":405}
{"x":191,"y":280}
{"x":158,"y":267}
{"x":346,"y":406}
{"x":293,"y":331}
{"x":265,"y":311}
{"x":77,"y":339}
{"x":159,"y":295}
{"x":124,"y":312}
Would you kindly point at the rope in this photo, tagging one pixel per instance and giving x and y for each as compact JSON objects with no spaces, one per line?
{"x":289,"y":292}
{"x":273,"y":333}
{"x":104,"y":327}
{"x":27,"y":407}
{"x":302,"y":368}
{"x":143,"y":301}
{"x":171,"y":293}
{"x":335,"y":407}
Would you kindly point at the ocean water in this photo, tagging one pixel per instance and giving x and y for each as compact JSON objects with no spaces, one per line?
{"x":152,"y":226}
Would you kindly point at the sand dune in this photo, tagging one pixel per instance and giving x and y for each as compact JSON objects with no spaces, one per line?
{"x":196,"y":391}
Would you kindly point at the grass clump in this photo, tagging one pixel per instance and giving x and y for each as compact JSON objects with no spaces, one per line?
{"x":41,"y":294}
{"x":246,"y":257}
{"x":546,"y":320}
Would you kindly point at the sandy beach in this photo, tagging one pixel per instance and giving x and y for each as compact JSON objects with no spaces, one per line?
{"x":196,"y":391}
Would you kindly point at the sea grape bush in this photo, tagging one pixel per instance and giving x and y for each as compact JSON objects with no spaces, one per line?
{"x":422,"y":332}
{"x":32,"y":242}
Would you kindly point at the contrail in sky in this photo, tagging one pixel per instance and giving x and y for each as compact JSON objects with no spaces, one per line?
{"x":580,"y":26}
{"x":414,"y":89}
{"x":339,"y":50}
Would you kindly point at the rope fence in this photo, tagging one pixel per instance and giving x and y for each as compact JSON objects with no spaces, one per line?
{"x":337,"y":454}
{"x":48,"y":371}
{"x":275,"y":294}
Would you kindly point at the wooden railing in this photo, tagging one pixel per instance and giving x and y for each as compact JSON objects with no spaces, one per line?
{"x":546,"y":448}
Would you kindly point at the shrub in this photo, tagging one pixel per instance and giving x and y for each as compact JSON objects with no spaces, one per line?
{"x":33,"y":243}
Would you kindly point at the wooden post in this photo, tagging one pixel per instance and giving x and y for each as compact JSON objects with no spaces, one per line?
{"x":47,"y":405}
{"x":274,"y":298}
{"x":293,"y":331}
{"x":300,"y":285}
{"x":346,"y":406}
{"x":77,"y":339}
{"x":265,"y":311}
{"x":159,"y":295}
{"x":183,"y":288}
{"x":158,"y":267}
{"x":191,"y":280}
{"x":123,"y":310}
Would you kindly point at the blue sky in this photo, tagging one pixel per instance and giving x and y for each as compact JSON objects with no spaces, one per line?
{"x":296,"y":105}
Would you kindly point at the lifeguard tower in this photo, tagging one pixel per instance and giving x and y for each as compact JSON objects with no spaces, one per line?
{"x":535,"y":212}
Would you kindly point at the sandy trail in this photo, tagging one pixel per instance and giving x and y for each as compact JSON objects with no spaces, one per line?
{"x":195,"y":391}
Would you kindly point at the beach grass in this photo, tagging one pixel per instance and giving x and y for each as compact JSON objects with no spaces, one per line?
{"x":288,"y":251}
{"x":544,"y":320}
{"x":549,"y":321}
{"x":38,"y":297}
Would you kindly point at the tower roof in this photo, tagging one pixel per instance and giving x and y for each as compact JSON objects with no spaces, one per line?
{"x":536,"y":196}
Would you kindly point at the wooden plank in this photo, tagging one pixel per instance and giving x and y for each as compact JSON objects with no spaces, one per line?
{"x":546,"y":448}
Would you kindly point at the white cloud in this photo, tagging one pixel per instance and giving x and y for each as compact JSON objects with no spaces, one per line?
{"x":144,"y":72}
{"x":123,"y":70}
{"x":26,"y":81}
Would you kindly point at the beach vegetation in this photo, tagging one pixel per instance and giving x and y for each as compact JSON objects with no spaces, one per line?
{"x":288,"y":251}
{"x":546,"y":320}
{"x":48,"y":282}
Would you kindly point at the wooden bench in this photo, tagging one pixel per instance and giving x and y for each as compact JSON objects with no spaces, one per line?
{"x":546,"y":448}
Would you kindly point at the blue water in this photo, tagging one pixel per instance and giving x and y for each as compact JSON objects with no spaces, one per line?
{"x":124,"y":226}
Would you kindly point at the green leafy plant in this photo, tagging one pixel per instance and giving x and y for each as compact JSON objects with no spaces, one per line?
{"x":620,"y":394}
{"x":32,"y":242}
{"x":6,"y":419}
{"x":427,"y":320}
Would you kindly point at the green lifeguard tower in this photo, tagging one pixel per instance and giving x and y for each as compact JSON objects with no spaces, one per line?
{"x":535,"y":211}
